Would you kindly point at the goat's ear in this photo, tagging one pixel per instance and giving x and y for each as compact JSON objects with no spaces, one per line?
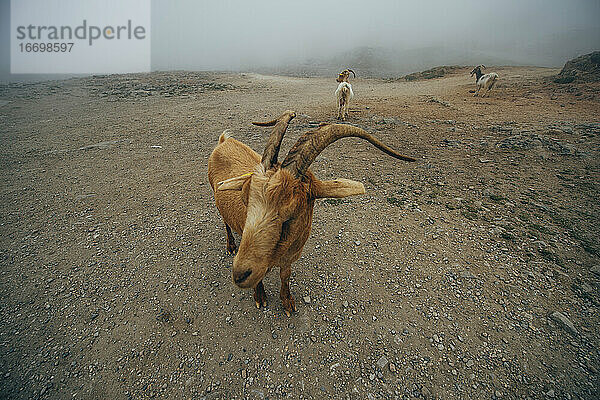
{"x":233,"y":183}
{"x":338,"y":188}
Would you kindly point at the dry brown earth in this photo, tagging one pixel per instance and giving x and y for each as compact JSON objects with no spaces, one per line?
{"x":441,"y":282}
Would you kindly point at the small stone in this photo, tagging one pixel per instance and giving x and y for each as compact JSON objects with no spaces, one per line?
{"x":564,"y":321}
{"x":467,"y":275}
{"x":382,"y":362}
{"x":392,"y":367}
{"x":587,"y":289}
{"x":470,"y":363}
{"x":550,"y":393}
{"x":357,"y":242}
{"x":372,"y":376}
{"x":306,"y":299}
{"x":345,"y":304}
{"x":595,"y":270}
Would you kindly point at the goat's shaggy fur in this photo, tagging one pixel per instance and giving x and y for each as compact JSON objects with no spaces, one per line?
{"x":271,"y":204}
{"x":344,"y":93}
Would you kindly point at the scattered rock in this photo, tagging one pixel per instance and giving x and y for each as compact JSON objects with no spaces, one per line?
{"x":382,"y":362}
{"x":564,"y":322}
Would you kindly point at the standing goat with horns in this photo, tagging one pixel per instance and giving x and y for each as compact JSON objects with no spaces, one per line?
{"x":270,"y":204}
{"x":344,"y":93}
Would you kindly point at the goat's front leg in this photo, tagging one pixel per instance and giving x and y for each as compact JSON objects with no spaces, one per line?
{"x":230,"y":246}
{"x":285,"y":271}
{"x":260,"y":297}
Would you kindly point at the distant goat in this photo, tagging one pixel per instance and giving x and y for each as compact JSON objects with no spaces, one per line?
{"x":486,"y":81}
{"x":271,"y":204}
{"x":343,"y":93}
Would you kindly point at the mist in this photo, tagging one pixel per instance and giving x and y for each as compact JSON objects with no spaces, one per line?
{"x":383,"y":37}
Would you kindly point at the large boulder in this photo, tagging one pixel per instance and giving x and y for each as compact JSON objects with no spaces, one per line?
{"x":582,"y":68}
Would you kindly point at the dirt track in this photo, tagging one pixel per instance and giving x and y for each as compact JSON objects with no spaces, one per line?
{"x":440,"y":282}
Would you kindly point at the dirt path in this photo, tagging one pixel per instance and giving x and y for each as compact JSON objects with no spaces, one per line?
{"x":443,"y":281}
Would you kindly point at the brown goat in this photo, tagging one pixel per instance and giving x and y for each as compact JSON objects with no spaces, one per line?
{"x":270,"y":204}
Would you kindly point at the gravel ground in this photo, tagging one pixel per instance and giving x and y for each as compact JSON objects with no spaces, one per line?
{"x":473,"y":273}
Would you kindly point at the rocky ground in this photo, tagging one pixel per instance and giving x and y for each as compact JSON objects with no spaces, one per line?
{"x":473,"y":273}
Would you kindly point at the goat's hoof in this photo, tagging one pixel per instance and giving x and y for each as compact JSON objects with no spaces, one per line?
{"x":230,"y":248}
{"x":289,"y":304}
{"x":259,"y":305}
{"x":260,"y":297}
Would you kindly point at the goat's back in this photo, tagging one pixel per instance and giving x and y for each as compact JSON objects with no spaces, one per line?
{"x":229,"y":159}
{"x":492,"y":76}
{"x":344,"y":89}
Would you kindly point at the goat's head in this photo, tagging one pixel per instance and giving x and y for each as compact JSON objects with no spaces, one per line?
{"x":344,"y":75}
{"x":477,"y":71}
{"x":279,"y":198}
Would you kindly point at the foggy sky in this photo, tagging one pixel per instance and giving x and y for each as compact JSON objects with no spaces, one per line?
{"x":234,"y":35}
{"x":231,"y":34}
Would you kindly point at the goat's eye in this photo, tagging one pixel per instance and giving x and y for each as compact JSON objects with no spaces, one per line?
{"x":285,"y":230}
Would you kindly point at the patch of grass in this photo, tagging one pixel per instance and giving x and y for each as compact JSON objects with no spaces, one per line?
{"x":395,"y":201}
{"x":496,"y":197}
{"x":564,"y":79}
{"x":591,"y":246}
{"x":541,"y":228}
{"x":471,"y":208}
{"x":335,"y":202}
{"x":507,"y":236}
{"x":524,"y":217}
{"x":469,"y":214}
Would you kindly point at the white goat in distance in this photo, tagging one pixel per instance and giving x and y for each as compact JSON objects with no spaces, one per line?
{"x":486,"y":81}
{"x":344,"y":93}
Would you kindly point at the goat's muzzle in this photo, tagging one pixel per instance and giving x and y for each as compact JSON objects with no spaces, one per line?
{"x":240,"y":277}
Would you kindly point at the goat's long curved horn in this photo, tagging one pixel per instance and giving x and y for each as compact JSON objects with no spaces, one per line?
{"x":269,"y":157}
{"x":312,"y":143}
{"x":352,"y":72}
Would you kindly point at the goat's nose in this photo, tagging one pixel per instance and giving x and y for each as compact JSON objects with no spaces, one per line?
{"x":239,"y":278}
